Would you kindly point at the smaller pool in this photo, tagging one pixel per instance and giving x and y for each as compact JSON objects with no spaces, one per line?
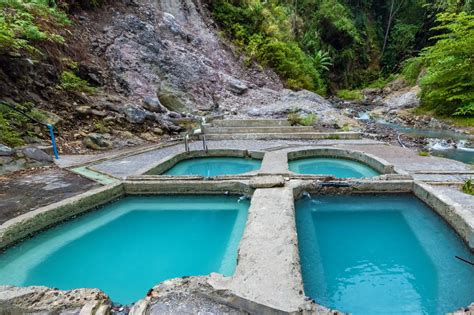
{"x":341,"y":168}
{"x":214,"y":166}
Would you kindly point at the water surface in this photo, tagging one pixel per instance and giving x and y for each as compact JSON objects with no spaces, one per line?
{"x":341,"y":168}
{"x":379,"y":254}
{"x":128,"y":246}
{"x":214,"y":166}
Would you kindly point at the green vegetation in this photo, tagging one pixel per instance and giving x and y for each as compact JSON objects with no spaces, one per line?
{"x":25,"y":25}
{"x":264,"y":33}
{"x":448,"y":86}
{"x":307,"y":120}
{"x":424,"y":153}
{"x":468,"y":187}
{"x":12,"y":121}
{"x":70,"y":82}
{"x":351,"y":44}
{"x":352,"y":95}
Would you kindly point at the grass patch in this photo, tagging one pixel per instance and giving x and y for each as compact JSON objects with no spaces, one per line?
{"x":381,"y":82}
{"x":468,"y":187}
{"x":296,"y":119}
{"x":351,"y":95}
{"x":70,"y":82}
{"x":424,"y":153}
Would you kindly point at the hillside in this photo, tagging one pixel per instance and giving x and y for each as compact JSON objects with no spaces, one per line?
{"x":118,"y":73}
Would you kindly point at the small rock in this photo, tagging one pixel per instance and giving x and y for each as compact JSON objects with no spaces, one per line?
{"x":97,"y":141}
{"x":158,"y":131}
{"x":153,"y":104}
{"x":174,"y":115}
{"x":135,"y":114}
{"x":170,"y":21}
{"x":84,"y":110}
{"x":236,"y":86}
{"x":99,"y":113}
{"x":37,"y":154}
{"x":51,"y":118}
{"x":148,"y":136}
{"x":6,"y":151}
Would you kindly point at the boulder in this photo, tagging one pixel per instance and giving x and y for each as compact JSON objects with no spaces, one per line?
{"x":136,"y":114}
{"x":171,"y":100}
{"x":83,"y":110}
{"x":97,"y":141}
{"x":236,"y":86}
{"x":153,"y":104}
{"x":170,"y":21}
{"x":403,"y":99}
{"x":158,"y":131}
{"x":148,"y":136}
{"x":37,"y":154}
{"x":6,"y":151}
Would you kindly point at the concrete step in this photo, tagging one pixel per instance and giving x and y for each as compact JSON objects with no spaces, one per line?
{"x":250,"y":123}
{"x":278,"y":129}
{"x":286,"y":136}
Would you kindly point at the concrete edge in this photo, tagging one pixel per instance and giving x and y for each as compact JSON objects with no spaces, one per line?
{"x":164,"y":164}
{"x":28,"y":224}
{"x":186,"y":187}
{"x":461,"y":220}
{"x":128,"y":152}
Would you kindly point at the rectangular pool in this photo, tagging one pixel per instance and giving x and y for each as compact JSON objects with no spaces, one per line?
{"x":373,"y":254}
{"x":128,"y":246}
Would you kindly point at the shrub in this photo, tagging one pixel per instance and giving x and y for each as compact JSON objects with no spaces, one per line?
{"x":468,"y":187}
{"x":70,"y":82}
{"x":297,"y":119}
{"x":24,"y":24}
{"x":263,"y":31}
{"x":411,"y":69}
{"x":352,"y":95}
{"x":448,"y":86}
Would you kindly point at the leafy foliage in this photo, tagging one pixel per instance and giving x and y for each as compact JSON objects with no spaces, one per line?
{"x":353,"y":95}
{"x":23,"y":24}
{"x":307,"y":120}
{"x":322,"y":61}
{"x":448,"y":86}
{"x":263,"y":31}
{"x":69,"y":81}
{"x":468,"y":187}
{"x":12,"y":122}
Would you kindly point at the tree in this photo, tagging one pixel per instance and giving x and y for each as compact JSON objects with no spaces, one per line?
{"x":395,"y":6}
{"x":448,"y":86}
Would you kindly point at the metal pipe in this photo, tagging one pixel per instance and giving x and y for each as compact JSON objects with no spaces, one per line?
{"x":204,"y":143}
{"x":186,"y":144}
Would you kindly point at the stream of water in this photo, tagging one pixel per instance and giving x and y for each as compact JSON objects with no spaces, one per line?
{"x":443,"y":143}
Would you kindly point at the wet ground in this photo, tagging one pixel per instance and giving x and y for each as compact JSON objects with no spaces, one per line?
{"x":22,"y":192}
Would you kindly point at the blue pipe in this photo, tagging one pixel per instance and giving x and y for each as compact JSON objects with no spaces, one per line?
{"x":53,"y":140}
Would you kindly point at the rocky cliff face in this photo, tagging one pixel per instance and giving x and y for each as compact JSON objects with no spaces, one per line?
{"x":156,"y":63}
{"x":172,"y":50}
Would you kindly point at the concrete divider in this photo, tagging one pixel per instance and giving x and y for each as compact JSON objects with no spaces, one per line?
{"x":460,"y":219}
{"x":165,"y":164}
{"x":250,"y":123}
{"x":30,"y":223}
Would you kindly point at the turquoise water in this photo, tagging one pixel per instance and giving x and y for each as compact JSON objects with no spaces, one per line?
{"x":214,"y":166}
{"x":130,"y":245}
{"x":340,"y":168}
{"x":379,"y":254}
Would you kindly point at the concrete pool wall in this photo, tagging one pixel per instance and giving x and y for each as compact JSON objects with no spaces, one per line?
{"x":268,"y":274}
{"x":162,"y":166}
